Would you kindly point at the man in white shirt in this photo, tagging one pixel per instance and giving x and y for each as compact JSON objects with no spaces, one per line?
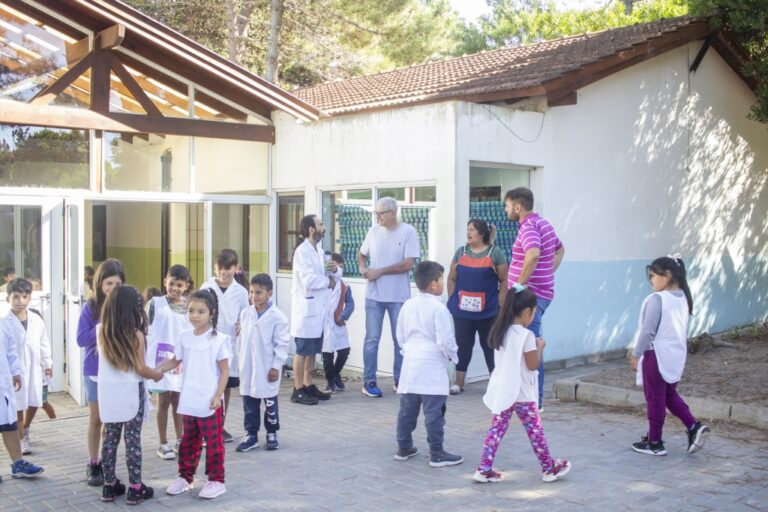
{"x":387,"y":255}
{"x":308,"y":304}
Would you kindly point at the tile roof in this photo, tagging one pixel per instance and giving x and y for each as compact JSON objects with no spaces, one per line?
{"x":487,"y":73}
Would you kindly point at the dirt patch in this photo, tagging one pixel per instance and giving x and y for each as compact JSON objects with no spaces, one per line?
{"x":731,"y":367}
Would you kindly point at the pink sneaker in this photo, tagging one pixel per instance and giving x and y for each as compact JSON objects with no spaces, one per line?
{"x":179,"y":486}
{"x":212,"y":490}
{"x":561,"y":468}
{"x":487,"y":476}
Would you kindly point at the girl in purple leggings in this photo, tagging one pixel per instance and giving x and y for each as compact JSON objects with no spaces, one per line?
{"x":513,"y":387}
{"x":659,"y":354}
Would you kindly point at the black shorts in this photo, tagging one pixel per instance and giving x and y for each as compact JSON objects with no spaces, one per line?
{"x":233,"y":382}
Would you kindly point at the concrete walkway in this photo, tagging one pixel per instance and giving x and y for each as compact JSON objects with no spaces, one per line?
{"x":338,"y":456}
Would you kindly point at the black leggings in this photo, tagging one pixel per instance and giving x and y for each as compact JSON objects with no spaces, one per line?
{"x":333,"y":369}
{"x":465,"y":339}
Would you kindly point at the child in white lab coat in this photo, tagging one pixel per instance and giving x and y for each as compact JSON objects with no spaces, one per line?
{"x":263,"y":342}
{"x":425,"y":334}
{"x":27,"y":329}
{"x":10,"y":382}
{"x":513,"y":386}
{"x":335,"y":337}
{"x":232,"y":299}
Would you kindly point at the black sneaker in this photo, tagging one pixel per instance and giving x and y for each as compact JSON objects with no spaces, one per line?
{"x":649,"y":448}
{"x":110,"y":492}
{"x":438,"y":460}
{"x":406,"y":453}
{"x":226,"y":436}
{"x":271,"y":441}
{"x":315,"y":392}
{"x":697,"y":436}
{"x":339,"y":383}
{"x":136,"y":496}
{"x":94,"y":474}
{"x":301,"y":396}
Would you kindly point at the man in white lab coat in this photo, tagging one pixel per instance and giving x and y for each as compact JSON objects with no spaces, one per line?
{"x":312,"y":280}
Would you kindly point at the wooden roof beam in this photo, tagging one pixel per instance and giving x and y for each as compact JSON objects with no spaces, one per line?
{"x":107,"y":39}
{"x":14,"y":112}
{"x":49,"y":93}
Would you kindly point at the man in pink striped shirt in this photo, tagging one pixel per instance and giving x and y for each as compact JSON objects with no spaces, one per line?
{"x":536,"y":254}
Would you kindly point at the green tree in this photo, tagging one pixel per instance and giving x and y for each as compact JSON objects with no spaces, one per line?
{"x":516,"y":22}
{"x":747,"y":22}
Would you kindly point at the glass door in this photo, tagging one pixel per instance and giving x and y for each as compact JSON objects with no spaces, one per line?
{"x":73,"y":293}
{"x":30,"y":247}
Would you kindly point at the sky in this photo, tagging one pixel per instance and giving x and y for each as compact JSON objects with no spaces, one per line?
{"x":470,"y":10}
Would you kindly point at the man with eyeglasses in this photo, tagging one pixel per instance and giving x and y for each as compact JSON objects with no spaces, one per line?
{"x":387,"y":255}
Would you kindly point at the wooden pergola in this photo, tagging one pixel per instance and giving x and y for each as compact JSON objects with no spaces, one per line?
{"x":131,"y":73}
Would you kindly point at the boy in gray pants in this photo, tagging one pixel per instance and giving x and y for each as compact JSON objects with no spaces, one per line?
{"x":426,"y":336}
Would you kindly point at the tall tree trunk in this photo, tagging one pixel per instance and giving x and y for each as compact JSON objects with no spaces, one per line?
{"x":273,"y":48}
{"x":628,"y":6}
{"x":238,"y":23}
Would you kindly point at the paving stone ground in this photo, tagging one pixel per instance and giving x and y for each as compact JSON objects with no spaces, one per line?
{"x":338,"y":456}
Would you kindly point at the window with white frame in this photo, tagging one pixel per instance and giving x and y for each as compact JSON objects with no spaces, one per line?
{"x":348,"y":215}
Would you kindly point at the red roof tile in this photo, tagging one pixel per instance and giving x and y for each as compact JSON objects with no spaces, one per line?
{"x":508,"y":69}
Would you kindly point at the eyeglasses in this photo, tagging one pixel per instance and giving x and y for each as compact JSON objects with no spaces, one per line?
{"x":379,"y":214}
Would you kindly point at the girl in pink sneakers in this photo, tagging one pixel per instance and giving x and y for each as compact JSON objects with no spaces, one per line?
{"x":513,"y":387}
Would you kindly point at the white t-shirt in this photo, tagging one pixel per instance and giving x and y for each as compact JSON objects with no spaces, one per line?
{"x":387,"y":247}
{"x":200,"y":356}
{"x":529,"y":379}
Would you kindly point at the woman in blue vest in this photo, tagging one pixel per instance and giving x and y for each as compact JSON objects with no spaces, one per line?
{"x":477,"y":284}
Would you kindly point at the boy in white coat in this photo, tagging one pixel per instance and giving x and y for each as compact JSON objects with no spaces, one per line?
{"x":10,"y":383}
{"x":426,"y":336}
{"x":27,"y":328}
{"x":263,"y":342}
{"x":233,"y":299}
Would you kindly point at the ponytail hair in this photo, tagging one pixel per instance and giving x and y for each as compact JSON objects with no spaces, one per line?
{"x":676,"y":268}
{"x":485,"y":230}
{"x":515,"y":303}
{"x":209,"y":298}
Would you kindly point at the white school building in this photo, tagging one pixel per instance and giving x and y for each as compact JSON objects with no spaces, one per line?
{"x":120,"y":138}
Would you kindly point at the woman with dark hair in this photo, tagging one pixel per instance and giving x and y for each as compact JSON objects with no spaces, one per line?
{"x":477,"y":285}
{"x":109,"y":275}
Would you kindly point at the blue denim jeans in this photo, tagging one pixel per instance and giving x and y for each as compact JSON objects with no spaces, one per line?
{"x":535,"y":327}
{"x":374,"y":321}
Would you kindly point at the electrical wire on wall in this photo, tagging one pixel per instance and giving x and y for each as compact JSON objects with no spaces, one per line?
{"x":510,"y":130}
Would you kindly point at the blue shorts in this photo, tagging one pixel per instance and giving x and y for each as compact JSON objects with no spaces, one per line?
{"x":91,"y":389}
{"x":11,"y":427}
{"x":309,"y":346}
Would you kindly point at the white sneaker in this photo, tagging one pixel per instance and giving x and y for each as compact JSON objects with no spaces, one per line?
{"x":25,"y":448}
{"x":165,"y":452}
{"x":179,"y":486}
{"x":212,"y":490}
{"x":455,"y":389}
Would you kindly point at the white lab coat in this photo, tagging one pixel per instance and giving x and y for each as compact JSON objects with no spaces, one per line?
{"x":425,"y":334}
{"x":507,"y":378}
{"x":263,"y":346}
{"x":671,"y":341}
{"x":335,"y":336}
{"x":309,"y":292}
{"x":9,"y":367}
{"x":34,"y":352}
{"x":231,"y":304}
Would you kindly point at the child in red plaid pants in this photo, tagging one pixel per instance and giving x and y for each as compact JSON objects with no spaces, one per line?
{"x":205,"y":356}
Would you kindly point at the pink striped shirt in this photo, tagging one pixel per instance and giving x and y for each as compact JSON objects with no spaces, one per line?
{"x":536,"y":233}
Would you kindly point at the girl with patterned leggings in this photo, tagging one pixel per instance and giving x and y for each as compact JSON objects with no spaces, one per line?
{"x":512,"y":388}
{"x":121,"y":393}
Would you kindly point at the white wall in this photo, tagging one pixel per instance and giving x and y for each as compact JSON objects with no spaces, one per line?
{"x":649,"y":162}
{"x":405,"y":146}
